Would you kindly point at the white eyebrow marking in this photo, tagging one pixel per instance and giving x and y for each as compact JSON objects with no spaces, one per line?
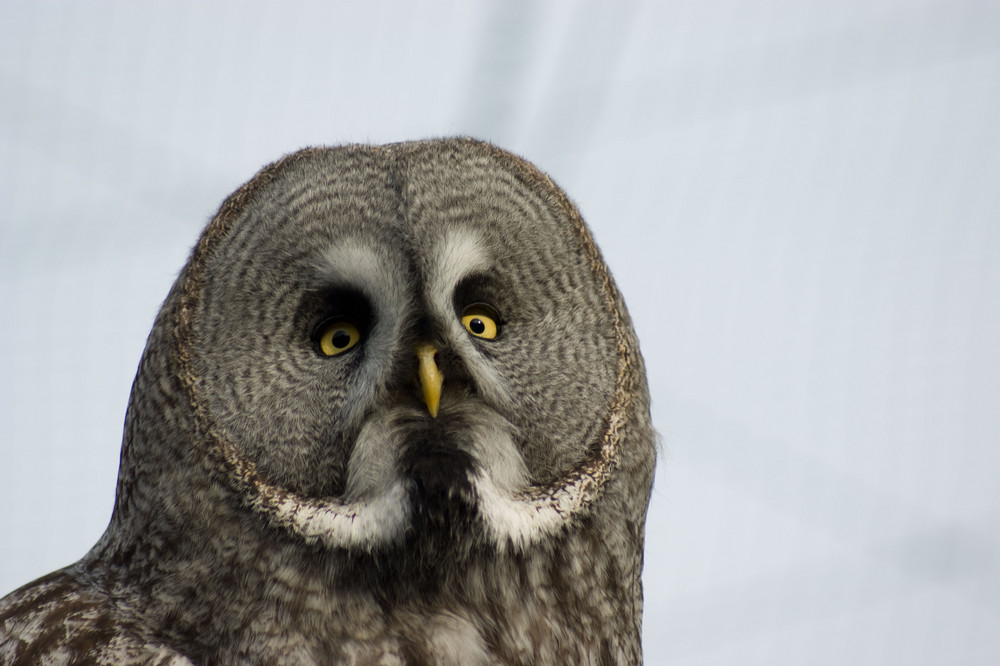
{"x":382,"y":276}
{"x":370,"y":268}
{"x":457,"y":256}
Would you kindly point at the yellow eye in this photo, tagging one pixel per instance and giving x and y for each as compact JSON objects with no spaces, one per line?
{"x":481,"y":321}
{"x":337,"y":337}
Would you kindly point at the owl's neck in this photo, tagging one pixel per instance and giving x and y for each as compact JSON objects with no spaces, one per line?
{"x":264,"y":589}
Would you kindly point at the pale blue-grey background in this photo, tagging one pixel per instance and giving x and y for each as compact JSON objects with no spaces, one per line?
{"x":800,"y":200}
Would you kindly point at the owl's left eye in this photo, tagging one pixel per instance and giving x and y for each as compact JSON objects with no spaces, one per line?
{"x":337,"y":336}
{"x":481,"y":321}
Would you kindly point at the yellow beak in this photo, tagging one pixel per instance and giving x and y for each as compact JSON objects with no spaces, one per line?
{"x":431,"y":378}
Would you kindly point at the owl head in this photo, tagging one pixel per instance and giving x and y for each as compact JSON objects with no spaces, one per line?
{"x":372,"y":348}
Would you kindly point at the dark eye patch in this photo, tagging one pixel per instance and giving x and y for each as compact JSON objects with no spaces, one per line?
{"x":321,"y":306}
{"x":482,"y":288}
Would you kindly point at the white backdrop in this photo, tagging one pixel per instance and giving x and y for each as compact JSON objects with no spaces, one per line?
{"x":799,"y":199}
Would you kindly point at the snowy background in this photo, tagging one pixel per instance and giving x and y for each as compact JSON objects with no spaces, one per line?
{"x":800,"y":200}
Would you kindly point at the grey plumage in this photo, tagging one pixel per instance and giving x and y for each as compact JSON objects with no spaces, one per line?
{"x":285,"y":493}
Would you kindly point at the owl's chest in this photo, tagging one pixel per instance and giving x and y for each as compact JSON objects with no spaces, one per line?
{"x":447,"y":639}
{"x":516,"y":627}
{"x":570,"y":604}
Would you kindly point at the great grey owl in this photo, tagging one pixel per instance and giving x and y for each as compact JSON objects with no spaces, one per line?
{"x":393,"y":411}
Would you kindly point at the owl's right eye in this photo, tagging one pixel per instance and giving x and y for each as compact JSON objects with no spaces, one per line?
{"x":336,"y":336}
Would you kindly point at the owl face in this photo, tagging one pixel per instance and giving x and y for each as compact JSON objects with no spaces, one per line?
{"x":383,"y":340}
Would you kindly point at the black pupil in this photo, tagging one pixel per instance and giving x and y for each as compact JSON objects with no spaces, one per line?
{"x":341,"y":339}
{"x":477,"y":326}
